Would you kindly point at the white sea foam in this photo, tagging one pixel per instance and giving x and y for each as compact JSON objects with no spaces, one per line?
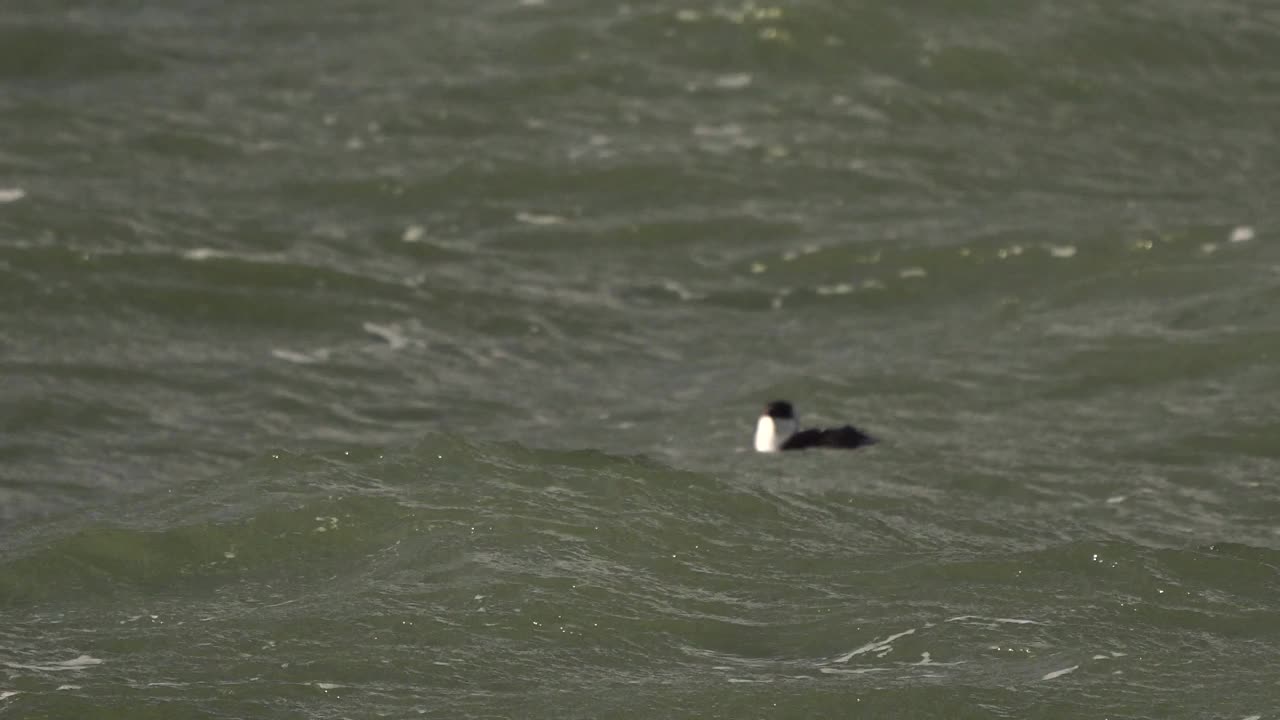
{"x":79,"y":662}
{"x":927,"y":659}
{"x":394,"y":336}
{"x":1060,"y":673}
{"x":733,"y":81}
{"x":794,"y":254}
{"x":199,"y":254}
{"x":680,"y":291}
{"x":837,"y":289}
{"x":724,"y":138}
{"x":8,"y":195}
{"x":1242,"y":233}
{"x":301,"y":358}
{"x":776,"y":302}
{"x":876,"y":646}
{"x":529,"y":218}
{"x":76,"y":663}
{"x":1007,"y":621}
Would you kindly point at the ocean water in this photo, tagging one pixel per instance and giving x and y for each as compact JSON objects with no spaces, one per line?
{"x":367,"y":360}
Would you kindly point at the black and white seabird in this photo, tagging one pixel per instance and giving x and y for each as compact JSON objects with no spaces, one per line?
{"x":777,"y":429}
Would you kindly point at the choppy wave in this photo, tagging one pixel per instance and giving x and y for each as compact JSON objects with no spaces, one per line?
{"x":391,"y":360}
{"x":455,"y":568}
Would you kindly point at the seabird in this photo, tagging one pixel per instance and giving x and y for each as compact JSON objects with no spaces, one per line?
{"x":777,"y":429}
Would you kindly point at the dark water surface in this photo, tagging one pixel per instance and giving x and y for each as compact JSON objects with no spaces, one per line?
{"x":400,"y":360}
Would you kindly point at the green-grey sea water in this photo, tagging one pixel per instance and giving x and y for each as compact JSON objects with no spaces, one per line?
{"x":393,"y":359}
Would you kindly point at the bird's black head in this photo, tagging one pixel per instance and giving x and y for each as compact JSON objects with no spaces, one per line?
{"x":779,"y":410}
